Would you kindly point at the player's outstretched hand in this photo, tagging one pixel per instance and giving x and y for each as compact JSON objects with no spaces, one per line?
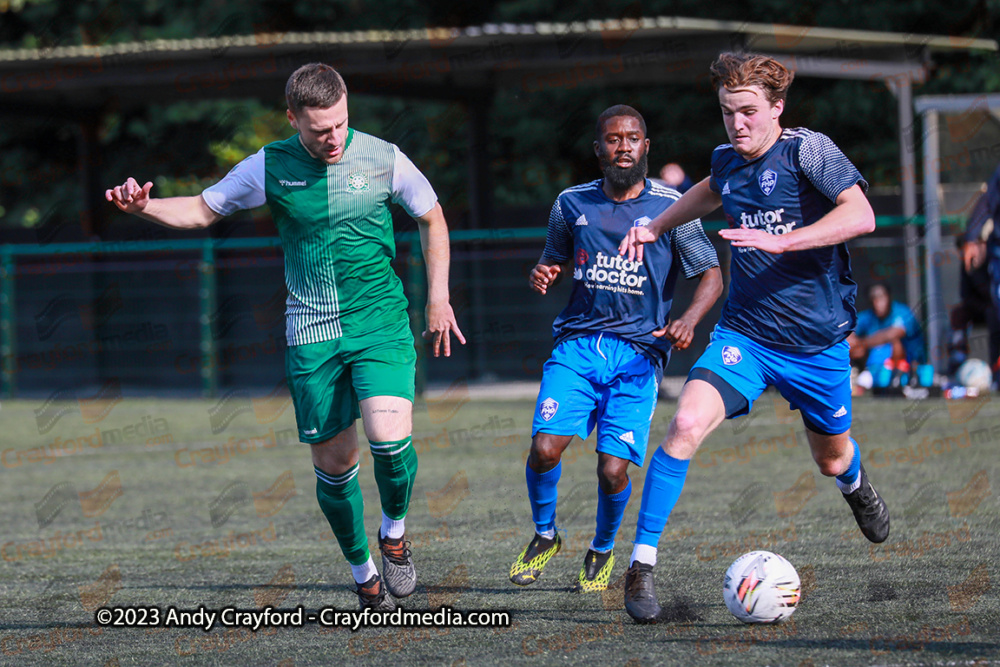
{"x":678,"y":332}
{"x":542,"y":277}
{"x":129,"y":196}
{"x":440,"y":325}
{"x":632,"y":244}
{"x":754,"y":238}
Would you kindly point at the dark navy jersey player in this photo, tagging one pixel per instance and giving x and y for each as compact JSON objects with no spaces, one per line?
{"x":981,"y":246}
{"x":613,"y":339}
{"x":792,"y":200}
{"x":612,"y":294}
{"x":801,"y":301}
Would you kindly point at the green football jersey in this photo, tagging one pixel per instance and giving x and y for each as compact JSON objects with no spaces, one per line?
{"x":335,"y":227}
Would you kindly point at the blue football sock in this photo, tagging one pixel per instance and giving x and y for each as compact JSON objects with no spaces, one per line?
{"x":542,"y":493}
{"x":610,"y":510}
{"x":848,"y":480}
{"x":664,"y":482}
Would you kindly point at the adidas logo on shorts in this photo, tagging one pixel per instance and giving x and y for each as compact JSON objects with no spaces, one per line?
{"x":628,"y":437}
{"x":841,"y":412}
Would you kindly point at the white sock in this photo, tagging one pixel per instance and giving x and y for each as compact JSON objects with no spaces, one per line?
{"x":547,"y":534}
{"x":364,"y":572}
{"x":600,"y":551}
{"x":393,"y":528}
{"x":643,"y":553}
{"x":848,"y":488}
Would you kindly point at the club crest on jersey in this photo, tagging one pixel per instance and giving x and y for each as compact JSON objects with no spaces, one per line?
{"x":731,"y":355}
{"x":357,"y":182}
{"x":548,"y":409}
{"x":767,"y":181}
{"x":641,"y":222}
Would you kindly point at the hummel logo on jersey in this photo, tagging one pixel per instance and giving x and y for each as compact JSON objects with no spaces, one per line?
{"x":731,"y":355}
{"x":581,"y":221}
{"x":357,"y":182}
{"x":641,"y":222}
{"x":725,"y":188}
{"x":548,"y":409}
{"x":841,"y":412}
{"x":628,"y":437}
{"x":767,"y":181}
{"x":292,"y":184}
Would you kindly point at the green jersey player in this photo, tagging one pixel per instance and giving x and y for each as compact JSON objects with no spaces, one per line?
{"x":350,"y":351}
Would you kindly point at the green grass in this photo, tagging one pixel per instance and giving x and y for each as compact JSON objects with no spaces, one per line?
{"x":157,"y":545}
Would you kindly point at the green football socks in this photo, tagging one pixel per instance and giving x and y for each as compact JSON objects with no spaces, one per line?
{"x":395,"y":465}
{"x":340,"y":499}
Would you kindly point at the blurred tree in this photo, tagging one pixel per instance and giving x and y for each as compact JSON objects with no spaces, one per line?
{"x":183,"y":147}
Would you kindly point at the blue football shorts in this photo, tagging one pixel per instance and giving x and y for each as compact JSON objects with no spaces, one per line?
{"x":819,"y":384}
{"x":599,"y":380}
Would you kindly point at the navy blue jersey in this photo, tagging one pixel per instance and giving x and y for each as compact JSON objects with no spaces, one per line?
{"x":987,"y":208}
{"x":796,"y":301}
{"x":610,"y":293}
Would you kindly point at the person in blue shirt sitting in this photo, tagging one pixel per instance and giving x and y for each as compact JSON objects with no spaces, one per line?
{"x":888,"y":331}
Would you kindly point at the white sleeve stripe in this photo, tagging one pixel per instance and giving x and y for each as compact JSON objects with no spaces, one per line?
{"x":664,"y":191}
{"x":410,"y":188}
{"x":582,"y":187}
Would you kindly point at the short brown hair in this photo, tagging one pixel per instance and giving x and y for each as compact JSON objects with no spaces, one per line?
{"x":739,"y":70}
{"x":314,"y":85}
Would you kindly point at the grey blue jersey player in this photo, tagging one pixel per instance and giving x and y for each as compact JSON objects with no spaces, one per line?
{"x":612,"y":340}
{"x":792,"y":200}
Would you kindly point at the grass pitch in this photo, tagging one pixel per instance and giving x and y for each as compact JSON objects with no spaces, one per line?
{"x":191,"y":503}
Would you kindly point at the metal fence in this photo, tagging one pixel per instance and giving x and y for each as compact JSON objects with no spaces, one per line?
{"x":207,"y":315}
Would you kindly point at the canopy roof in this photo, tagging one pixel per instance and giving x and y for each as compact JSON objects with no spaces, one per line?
{"x":450,"y":62}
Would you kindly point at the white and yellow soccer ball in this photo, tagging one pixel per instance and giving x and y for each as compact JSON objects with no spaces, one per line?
{"x":761,"y":587}
{"x":975,"y":373}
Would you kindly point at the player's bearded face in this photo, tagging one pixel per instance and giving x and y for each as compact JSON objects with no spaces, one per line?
{"x":623,"y":153}
{"x":322,"y":132}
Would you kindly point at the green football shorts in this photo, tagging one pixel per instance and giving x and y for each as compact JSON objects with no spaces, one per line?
{"x":328,"y":379}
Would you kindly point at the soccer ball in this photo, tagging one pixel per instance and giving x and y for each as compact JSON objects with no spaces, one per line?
{"x":975,"y":373}
{"x":761,"y":587}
